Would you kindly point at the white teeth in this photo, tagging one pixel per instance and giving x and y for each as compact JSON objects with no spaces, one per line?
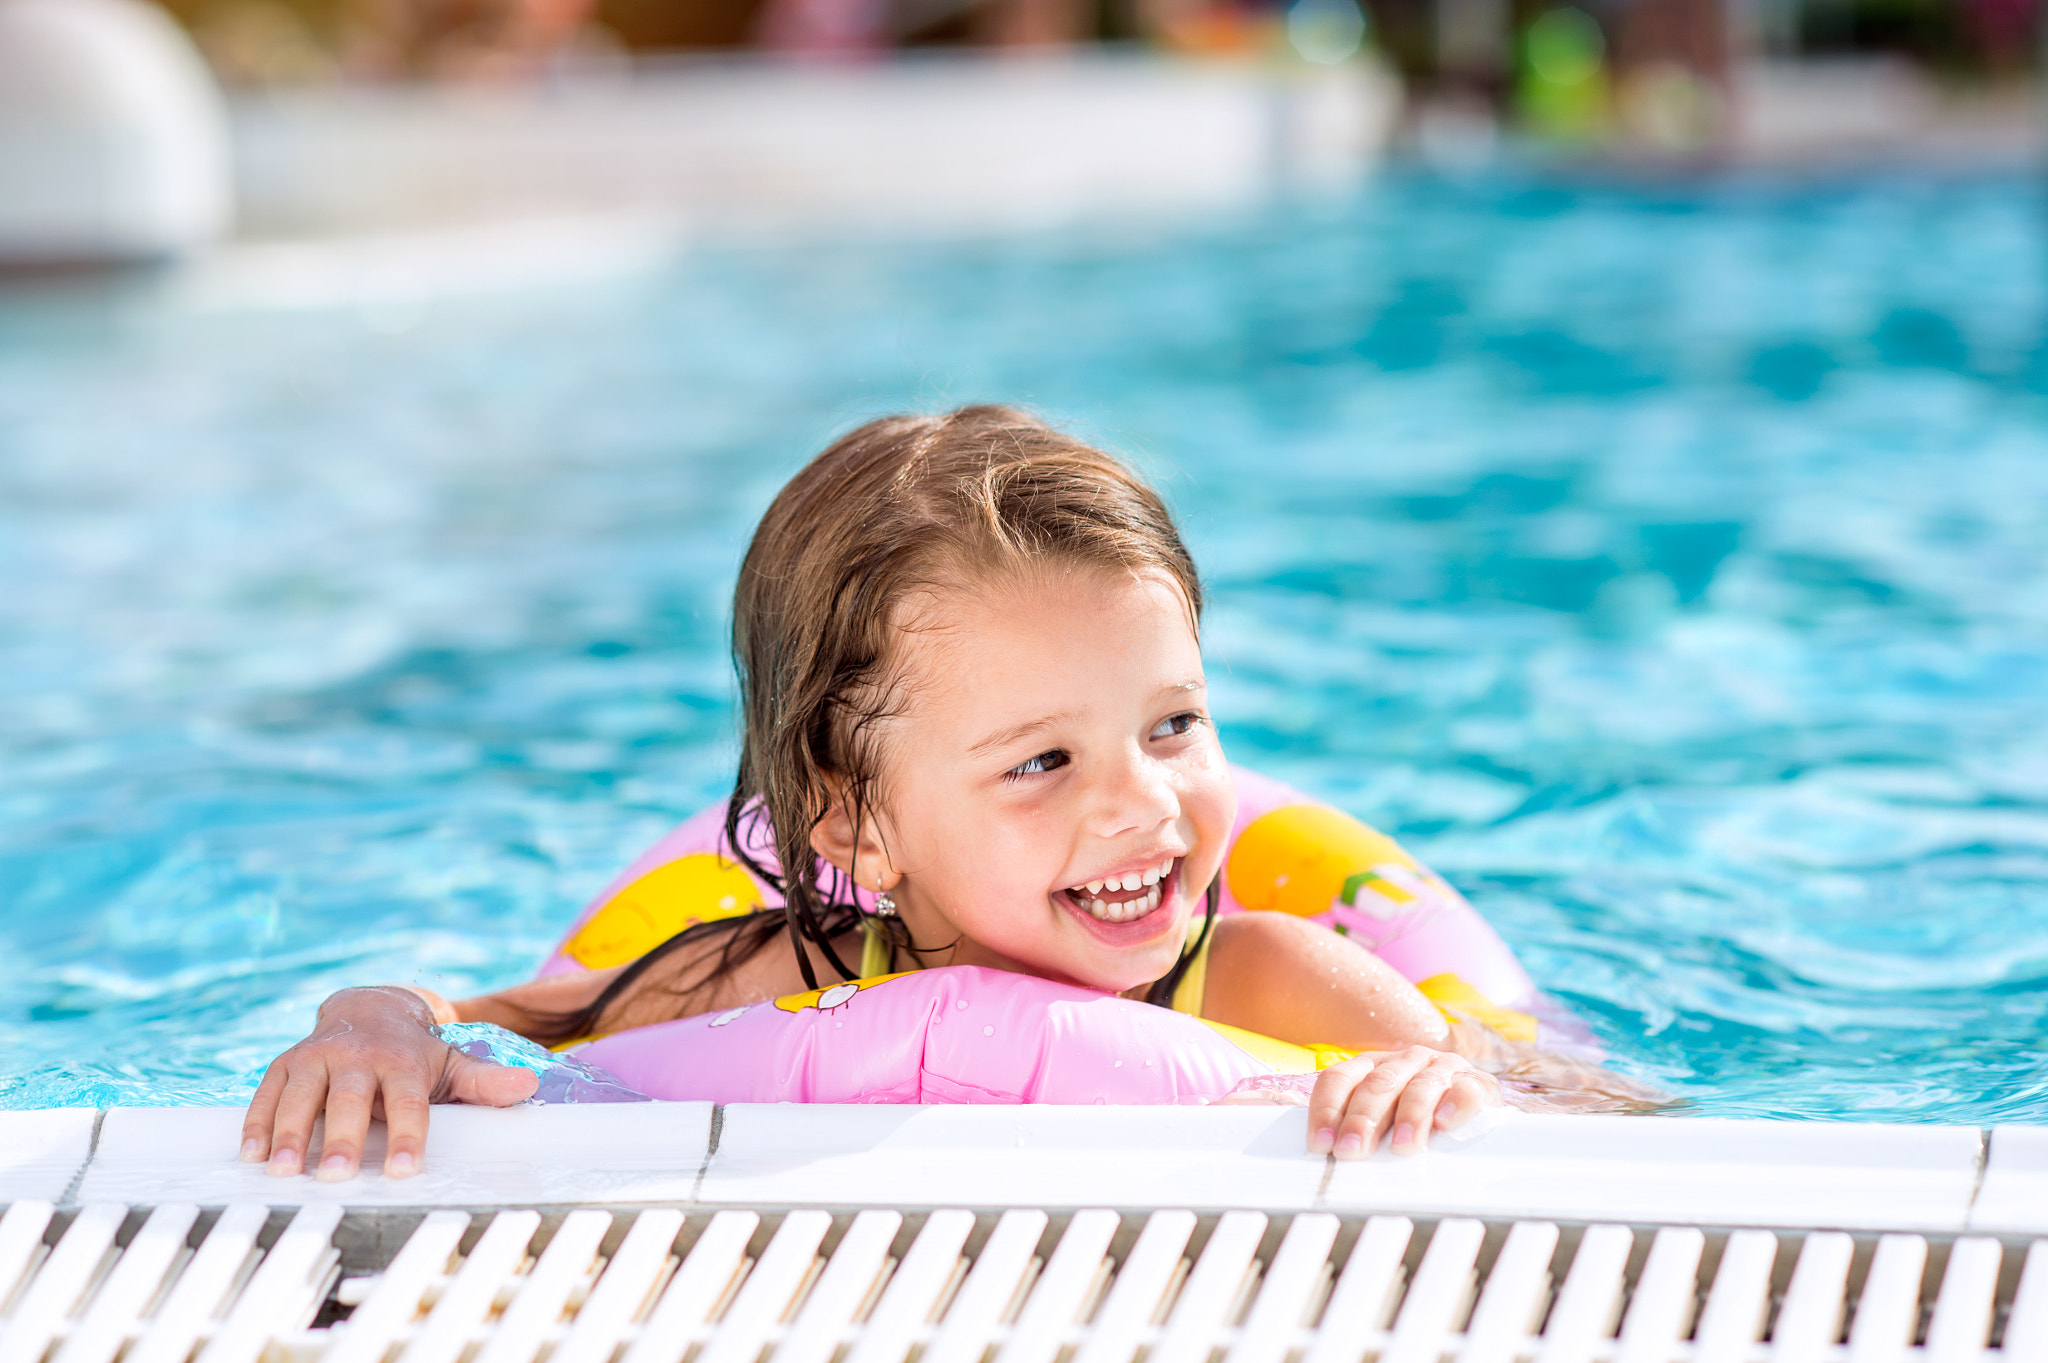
{"x":1094,"y":887}
{"x":1133,"y":881}
{"x":1126,"y":911}
{"x":1151,"y":876}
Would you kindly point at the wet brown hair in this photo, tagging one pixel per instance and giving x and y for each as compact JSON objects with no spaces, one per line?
{"x":901,"y":506}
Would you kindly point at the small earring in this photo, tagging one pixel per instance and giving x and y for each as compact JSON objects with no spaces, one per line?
{"x":885,"y":907}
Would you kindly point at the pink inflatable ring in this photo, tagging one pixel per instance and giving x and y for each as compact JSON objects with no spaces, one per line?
{"x":968,"y":1035}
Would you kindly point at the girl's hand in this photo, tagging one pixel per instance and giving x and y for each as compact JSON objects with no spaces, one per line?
{"x":373,"y":1053}
{"x":1411,"y":1092}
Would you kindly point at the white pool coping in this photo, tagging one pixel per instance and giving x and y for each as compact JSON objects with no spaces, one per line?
{"x":1640,"y":1170}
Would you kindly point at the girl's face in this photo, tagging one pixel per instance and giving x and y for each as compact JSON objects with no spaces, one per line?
{"x":1053,"y":795}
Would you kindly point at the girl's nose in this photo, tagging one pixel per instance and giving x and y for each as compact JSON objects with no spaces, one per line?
{"x":1133,"y":795}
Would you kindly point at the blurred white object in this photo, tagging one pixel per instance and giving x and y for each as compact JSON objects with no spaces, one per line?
{"x":935,"y":145}
{"x":113,"y":136}
{"x":1792,"y":109}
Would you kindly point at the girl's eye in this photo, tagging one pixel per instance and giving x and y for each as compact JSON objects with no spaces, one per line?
{"x":1039,"y":765}
{"x":1175,"y":725}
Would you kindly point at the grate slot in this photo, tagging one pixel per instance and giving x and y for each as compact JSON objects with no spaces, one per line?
{"x":135,"y":1281}
{"x":1138,"y":1294}
{"x":705,"y":1279}
{"x":1963,"y":1312}
{"x":622,"y":1292}
{"x":1517,"y":1291}
{"x":1052,"y":1313}
{"x":991,"y":1286}
{"x":850,"y":1279}
{"x":541,"y":1298}
{"x":769,"y":1290}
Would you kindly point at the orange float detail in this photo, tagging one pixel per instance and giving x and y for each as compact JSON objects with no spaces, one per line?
{"x":1460,"y":1002}
{"x":1302,"y":859}
{"x":699,"y":888}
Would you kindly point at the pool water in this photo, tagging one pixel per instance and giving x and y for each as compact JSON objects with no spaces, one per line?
{"x":1669,"y":565}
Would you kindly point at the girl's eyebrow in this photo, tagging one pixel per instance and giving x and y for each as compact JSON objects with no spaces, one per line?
{"x":1003,"y":738}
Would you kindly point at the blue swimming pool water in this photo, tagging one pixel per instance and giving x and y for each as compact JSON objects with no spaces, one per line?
{"x":1670,"y":565}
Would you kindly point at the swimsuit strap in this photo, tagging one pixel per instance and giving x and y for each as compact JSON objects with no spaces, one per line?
{"x":1187,"y":995}
{"x":877,"y":956}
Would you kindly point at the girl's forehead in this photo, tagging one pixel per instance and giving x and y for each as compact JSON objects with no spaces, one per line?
{"x":1045,"y":636}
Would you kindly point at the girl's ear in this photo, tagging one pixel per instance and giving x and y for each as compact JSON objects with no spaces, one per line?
{"x":865,"y":858}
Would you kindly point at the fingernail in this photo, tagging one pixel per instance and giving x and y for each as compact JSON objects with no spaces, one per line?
{"x":402,"y":1164}
{"x":252,"y":1150}
{"x":1404,"y":1137}
{"x":1322,"y":1141}
{"x":284,"y":1163}
{"x":333,"y":1169}
{"x":1446,"y":1114}
{"x":1349,"y":1145}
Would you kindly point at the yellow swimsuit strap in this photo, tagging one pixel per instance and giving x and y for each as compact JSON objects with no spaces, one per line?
{"x":1187,"y":995}
{"x":876,"y":955}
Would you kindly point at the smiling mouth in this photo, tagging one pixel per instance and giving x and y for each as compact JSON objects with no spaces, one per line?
{"x":1126,"y":898}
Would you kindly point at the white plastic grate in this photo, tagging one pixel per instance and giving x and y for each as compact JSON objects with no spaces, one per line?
{"x":171,"y":1284}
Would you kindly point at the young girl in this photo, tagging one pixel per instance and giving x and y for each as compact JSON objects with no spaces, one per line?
{"x":972,"y":686}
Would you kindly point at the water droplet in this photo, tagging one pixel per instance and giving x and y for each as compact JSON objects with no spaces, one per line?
{"x":988,"y":1031}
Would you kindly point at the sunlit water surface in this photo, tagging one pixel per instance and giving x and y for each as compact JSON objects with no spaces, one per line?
{"x":1670,"y":566}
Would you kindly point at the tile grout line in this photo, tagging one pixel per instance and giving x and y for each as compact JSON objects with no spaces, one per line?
{"x":1985,"y":1135}
{"x":92,"y":1150}
{"x":710,"y":1150}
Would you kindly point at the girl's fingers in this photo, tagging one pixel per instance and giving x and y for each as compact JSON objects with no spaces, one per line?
{"x":297,"y":1105}
{"x":1415,"y":1112}
{"x":262,"y":1115}
{"x":348,"y":1124}
{"x":1365,"y":1116}
{"x":1326,"y":1101}
{"x":1471,"y":1092}
{"x":405,"y":1122}
{"x":469,"y":1080}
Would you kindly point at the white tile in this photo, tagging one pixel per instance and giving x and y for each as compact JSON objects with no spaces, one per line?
{"x":2014,"y":1196}
{"x":42,"y":1151}
{"x":1840,"y":1175}
{"x":1013,"y":1156}
{"x":476,"y":1156}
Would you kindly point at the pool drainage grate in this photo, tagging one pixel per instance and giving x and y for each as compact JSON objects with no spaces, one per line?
{"x":170,"y":1283}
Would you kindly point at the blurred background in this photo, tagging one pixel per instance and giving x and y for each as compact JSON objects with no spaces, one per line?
{"x":346,"y":116}
{"x":1615,"y":436}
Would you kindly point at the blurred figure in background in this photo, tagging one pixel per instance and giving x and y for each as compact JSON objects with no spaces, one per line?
{"x":301,"y":42}
{"x":1673,"y":56}
{"x":470,"y":40}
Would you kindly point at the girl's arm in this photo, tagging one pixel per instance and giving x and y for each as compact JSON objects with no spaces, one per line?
{"x":1298,"y":981}
{"x":374,"y":1053}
